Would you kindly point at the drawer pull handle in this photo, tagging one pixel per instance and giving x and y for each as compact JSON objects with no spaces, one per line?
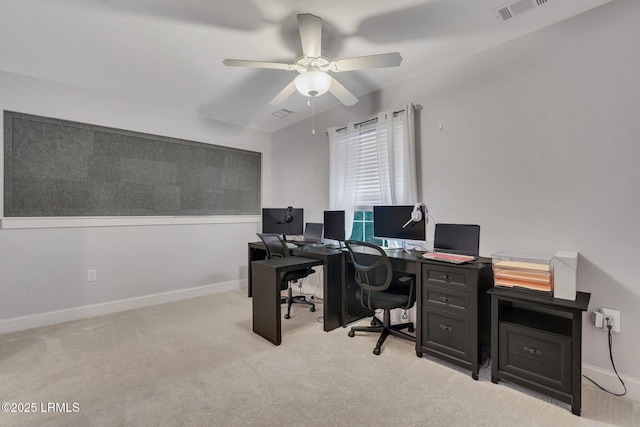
{"x":445,"y":300}
{"x":533,"y":351}
{"x":446,"y":328}
{"x":444,"y":276}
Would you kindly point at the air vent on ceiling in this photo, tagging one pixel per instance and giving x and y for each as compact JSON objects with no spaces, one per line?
{"x":282,"y":113}
{"x":512,"y":9}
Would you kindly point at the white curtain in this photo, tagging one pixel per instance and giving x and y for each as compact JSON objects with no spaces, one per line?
{"x":394,"y":137}
{"x":396,"y":133}
{"x":343,"y":171}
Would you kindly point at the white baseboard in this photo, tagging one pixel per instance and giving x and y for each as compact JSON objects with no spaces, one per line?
{"x":54,"y":317}
{"x":610,"y":381}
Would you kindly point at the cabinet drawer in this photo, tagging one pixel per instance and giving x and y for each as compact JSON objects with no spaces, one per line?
{"x":449,"y":277}
{"x":448,"y":300}
{"x":535,"y":355}
{"x":447,"y":333}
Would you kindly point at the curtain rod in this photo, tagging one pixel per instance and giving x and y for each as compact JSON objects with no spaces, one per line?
{"x":375,"y":119}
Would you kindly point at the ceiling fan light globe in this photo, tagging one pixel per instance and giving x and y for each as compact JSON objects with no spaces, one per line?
{"x":313,"y":83}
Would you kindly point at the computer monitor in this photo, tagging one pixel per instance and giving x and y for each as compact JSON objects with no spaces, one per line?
{"x":394,"y":222}
{"x":460,"y":239}
{"x":334,"y":225}
{"x":283,"y":221}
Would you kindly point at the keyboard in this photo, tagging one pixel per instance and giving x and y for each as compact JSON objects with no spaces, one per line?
{"x":303,"y":243}
{"x":451,"y":258}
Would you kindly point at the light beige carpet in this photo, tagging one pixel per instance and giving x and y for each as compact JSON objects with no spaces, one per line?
{"x":197,"y":363}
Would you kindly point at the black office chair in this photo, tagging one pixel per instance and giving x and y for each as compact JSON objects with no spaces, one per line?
{"x":380,"y":290}
{"x":277,"y":248}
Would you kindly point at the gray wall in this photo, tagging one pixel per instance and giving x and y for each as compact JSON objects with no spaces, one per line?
{"x":540,"y":146}
{"x":45,"y":270}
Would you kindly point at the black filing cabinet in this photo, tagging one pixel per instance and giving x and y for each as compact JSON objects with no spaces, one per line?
{"x":454,"y":312}
{"x":536,"y":342}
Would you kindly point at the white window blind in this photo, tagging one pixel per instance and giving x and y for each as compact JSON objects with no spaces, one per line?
{"x":370,"y":163}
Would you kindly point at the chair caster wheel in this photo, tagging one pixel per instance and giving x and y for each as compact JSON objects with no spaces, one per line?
{"x":376,"y":351}
{"x":351,"y":334}
{"x":312,"y":309}
{"x":373,"y":322}
{"x":419,"y":354}
{"x":411,"y":329}
{"x":286,"y":316}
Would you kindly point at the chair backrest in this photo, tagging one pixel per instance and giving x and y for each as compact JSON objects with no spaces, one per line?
{"x":373,"y":267}
{"x":275,"y":245}
{"x":277,"y":248}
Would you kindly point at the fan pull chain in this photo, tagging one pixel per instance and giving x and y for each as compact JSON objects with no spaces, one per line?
{"x":313,"y":116}
{"x":311,"y":102}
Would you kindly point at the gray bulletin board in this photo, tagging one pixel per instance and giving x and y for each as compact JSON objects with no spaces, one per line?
{"x":59,"y":168}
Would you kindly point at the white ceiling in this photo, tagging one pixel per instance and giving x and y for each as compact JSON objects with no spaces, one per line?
{"x":171,"y":51}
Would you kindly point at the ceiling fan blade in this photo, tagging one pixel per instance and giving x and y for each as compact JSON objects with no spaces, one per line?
{"x":284,"y":94}
{"x":341,"y":92}
{"x":257,"y":64}
{"x":372,"y":61}
{"x":310,"y":27}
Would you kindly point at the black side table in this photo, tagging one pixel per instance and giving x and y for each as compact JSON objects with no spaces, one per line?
{"x":536,"y":342}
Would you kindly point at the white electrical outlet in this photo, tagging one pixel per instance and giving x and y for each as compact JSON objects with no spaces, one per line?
{"x":91,"y":275}
{"x":611,"y":317}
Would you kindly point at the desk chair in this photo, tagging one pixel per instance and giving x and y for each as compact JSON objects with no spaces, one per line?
{"x":379,"y":290}
{"x":277,"y":248}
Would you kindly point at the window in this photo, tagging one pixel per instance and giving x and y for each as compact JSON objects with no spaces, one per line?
{"x":363,"y":227}
{"x":372,"y":163}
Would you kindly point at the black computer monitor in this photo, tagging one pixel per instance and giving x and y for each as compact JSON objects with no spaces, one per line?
{"x":283,"y":221}
{"x":394,"y":222}
{"x":334,"y":225}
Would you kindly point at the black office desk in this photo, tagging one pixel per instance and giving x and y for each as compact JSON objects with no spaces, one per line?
{"x":268,"y":275}
{"x":340,"y":306}
{"x":452,"y":307}
{"x":331,"y":283}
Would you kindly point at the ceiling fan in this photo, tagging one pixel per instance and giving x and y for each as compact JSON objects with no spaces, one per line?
{"x":314,"y":79}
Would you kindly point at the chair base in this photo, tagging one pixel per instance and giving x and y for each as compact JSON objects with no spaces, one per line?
{"x":385,"y":328}
{"x":298,"y":299}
